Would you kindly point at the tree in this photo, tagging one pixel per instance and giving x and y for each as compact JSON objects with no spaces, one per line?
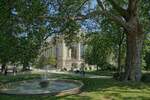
{"x":28,"y":51}
{"x":117,"y":36}
{"x":127,"y":14}
{"x":8,"y":45}
{"x":21,"y":31}
{"x":66,"y":16}
{"x":128,"y":18}
{"x":99,"y":47}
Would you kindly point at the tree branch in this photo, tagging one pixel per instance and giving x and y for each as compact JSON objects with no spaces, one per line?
{"x":116,"y":18}
{"x":101,"y":4}
{"x":119,"y":9}
{"x":81,"y":5}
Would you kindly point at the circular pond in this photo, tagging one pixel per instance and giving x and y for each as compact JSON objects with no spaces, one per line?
{"x":32,"y":87}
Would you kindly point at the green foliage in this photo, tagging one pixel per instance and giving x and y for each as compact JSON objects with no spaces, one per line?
{"x":8,"y":46}
{"x":144,"y":13}
{"x":52,"y":60}
{"x":98,"y":49}
{"x":106,"y":45}
{"x":146,"y":54}
{"x":41,"y":62}
{"x":145,"y":77}
{"x":21,"y":30}
{"x":147,"y":60}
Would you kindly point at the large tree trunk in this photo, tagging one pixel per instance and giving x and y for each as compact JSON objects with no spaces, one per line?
{"x":135,"y":38}
{"x":133,"y":59}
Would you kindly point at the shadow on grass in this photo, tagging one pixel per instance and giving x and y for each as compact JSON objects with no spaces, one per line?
{"x":111,"y":87}
{"x":136,"y":98}
{"x":73,"y":97}
{"x":96,"y":84}
{"x":106,"y":87}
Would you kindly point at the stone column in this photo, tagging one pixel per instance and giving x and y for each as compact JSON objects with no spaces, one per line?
{"x":69,"y":53}
{"x":78,"y":52}
{"x":63,"y":53}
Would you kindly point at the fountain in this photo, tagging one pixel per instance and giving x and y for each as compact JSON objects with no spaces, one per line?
{"x":44,"y":86}
{"x":45,"y":81}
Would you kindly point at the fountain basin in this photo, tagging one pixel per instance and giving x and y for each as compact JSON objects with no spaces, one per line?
{"x":32,"y":87}
{"x":44,"y":83}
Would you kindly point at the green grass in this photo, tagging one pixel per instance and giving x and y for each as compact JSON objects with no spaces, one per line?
{"x":102,"y":73}
{"x":9,"y":78}
{"x":94,"y":89}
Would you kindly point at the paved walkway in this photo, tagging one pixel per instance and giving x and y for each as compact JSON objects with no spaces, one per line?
{"x":70,"y":73}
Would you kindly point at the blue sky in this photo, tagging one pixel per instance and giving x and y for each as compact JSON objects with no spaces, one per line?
{"x":94,"y":2}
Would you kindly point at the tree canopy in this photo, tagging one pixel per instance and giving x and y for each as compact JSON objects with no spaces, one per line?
{"x":25,"y":24}
{"x":21,"y":31}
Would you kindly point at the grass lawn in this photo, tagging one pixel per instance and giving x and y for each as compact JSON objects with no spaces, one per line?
{"x":94,"y":89}
{"x":101,"y":73}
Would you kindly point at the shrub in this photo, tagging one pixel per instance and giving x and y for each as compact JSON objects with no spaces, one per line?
{"x":146,"y":77}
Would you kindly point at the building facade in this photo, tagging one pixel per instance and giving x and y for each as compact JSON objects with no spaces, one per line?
{"x":66,"y":57}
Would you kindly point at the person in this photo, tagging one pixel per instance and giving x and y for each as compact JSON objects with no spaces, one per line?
{"x":82,"y":70}
{"x":6,"y":70}
{"x":3,"y":68}
{"x":14,"y":70}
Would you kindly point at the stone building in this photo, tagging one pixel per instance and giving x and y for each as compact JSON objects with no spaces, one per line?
{"x":66,"y":57}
